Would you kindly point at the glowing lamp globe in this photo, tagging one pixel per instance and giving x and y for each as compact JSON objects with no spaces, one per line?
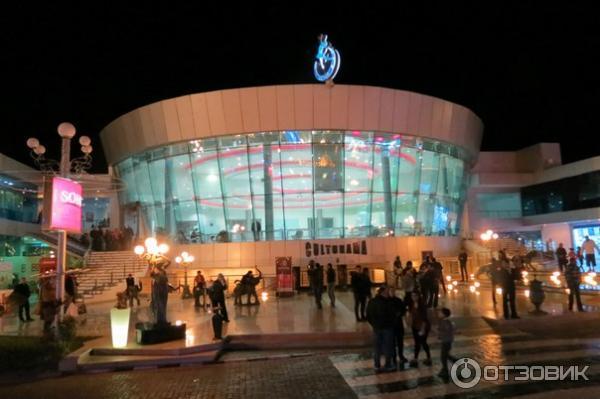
{"x":85,"y":141}
{"x":184,"y":254}
{"x":191,"y":258}
{"x":495,"y":236}
{"x":32,"y":142}
{"x":139,"y":249}
{"x":66,"y":130}
{"x":178,"y":259}
{"x":163,"y":248}
{"x":489,"y":232}
{"x":150,"y":242}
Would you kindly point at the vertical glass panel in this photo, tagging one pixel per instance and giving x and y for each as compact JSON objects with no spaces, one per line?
{"x":211,"y":220}
{"x":265,"y":181}
{"x":358,"y":177}
{"x":329,"y":215}
{"x":427,"y":190}
{"x":183,"y":189}
{"x":207,"y":188}
{"x":408,"y":181}
{"x":142,"y":180}
{"x":186,"y":217}
{"x":356,"y":214}
{"x":295,"y":175}
{"x":299,"y":221}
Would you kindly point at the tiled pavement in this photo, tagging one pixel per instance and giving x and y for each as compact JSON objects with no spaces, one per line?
{"x":306,"y":377}
{"x":567,"y":340}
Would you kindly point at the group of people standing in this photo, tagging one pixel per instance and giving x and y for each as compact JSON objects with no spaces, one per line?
{"x":315,"y":279}
{"x":586,"y":251}
{"x":386,"y":313}
{"x":108,"y":240}
{"x":426,"y":280}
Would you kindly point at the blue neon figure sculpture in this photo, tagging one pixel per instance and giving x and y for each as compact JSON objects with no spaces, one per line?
{"x":327,"y":61}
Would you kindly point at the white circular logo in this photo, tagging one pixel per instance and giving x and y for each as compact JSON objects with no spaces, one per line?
{"x":465,"y":373}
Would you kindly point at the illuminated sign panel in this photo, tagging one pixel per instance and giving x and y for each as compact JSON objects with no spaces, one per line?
{"x":327,"y":61}
{"x":62,"y":205}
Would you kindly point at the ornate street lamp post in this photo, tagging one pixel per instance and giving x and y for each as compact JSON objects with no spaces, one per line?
{"x":65,"y":168}
{"x":185,"y":260}
{"x":154,"y":253}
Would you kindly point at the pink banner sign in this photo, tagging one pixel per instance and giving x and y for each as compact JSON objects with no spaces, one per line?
{"x":66,"y":205}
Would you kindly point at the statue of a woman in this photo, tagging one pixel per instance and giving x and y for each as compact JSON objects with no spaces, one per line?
{"x":160,"y":291}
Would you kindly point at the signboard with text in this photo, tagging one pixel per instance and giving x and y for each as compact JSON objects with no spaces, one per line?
{"x":62,"y":205}
{"x":283,"y":269}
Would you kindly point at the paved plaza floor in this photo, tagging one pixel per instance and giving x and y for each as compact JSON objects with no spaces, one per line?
{"x":560,"y":339}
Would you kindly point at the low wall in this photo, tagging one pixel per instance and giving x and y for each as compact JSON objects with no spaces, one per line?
{"x":237,"y":258}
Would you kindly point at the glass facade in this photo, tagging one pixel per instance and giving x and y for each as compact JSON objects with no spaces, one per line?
{"x":18,"y":200}
{"x":298,"y":185}
{"x":568,"y":194}
{"x":499,"y":205}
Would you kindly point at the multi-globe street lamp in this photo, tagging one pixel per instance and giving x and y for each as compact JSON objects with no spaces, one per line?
{"x":185,"y":260}
{"x":65,"y":168}
{"x":154,"y":253}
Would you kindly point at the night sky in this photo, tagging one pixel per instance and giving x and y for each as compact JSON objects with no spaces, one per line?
{"x":530,"y":70}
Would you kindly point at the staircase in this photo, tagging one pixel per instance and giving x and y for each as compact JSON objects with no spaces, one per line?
{"x":106,"y":272}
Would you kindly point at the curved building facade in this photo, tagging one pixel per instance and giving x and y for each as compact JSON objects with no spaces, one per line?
{"x":295,"y":163}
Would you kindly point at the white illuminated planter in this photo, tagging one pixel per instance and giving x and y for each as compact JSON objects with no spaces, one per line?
{"x":119,"y":325}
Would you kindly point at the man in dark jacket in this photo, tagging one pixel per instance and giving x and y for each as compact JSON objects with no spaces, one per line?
{"x":399,"y":309}
{"x":22,"y":289}
{"x":573,"y":277}
{"x":331,"y":284}
{"x":217,"y":296}
{"x":495,"y":276}
{"x":381,"y":317}
{"x":509,"y":291}
{"x":437,"y":279}
{"x":360,"y":299}
{"x":561,"y":257}
{"x":316,"y":281}
{"x":462,"y":260}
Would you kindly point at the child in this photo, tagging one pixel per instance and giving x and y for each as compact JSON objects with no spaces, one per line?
{"x":446,"y":330}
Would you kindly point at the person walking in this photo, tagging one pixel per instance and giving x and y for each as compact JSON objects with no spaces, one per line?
{"x":199,"y":290}
{"x":438,"y":278}
{"x":132,"y":290}
{"x":573,"y":278}
{"x":331,"y":284}
{"x":446,"y":330}
{"x":70,"y":291}
{"x":23,"y":292}
{"x":380,"y":316}
{"x":367,"y":283}
{"x":426,"y":283}
{"x":360,"y":300}
{"x":589,"y":248}
{"x":579,"y":254}
{"x":218,"y":289}
{"x":561,"y":257}
{"x":495,"y":277}
{"x":420,"y":326}
{"x":315,"y":275}
{"x":509,"y":292}
{"x":397,"y":272}
{"x":462,"y":260}
{"x":399,"y":309}
{"x":409,"y":282}
{"x":256,"y":229}
{"x":49,"y":305}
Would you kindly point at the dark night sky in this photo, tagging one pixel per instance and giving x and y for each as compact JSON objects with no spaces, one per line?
{"x":528,"y":69}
